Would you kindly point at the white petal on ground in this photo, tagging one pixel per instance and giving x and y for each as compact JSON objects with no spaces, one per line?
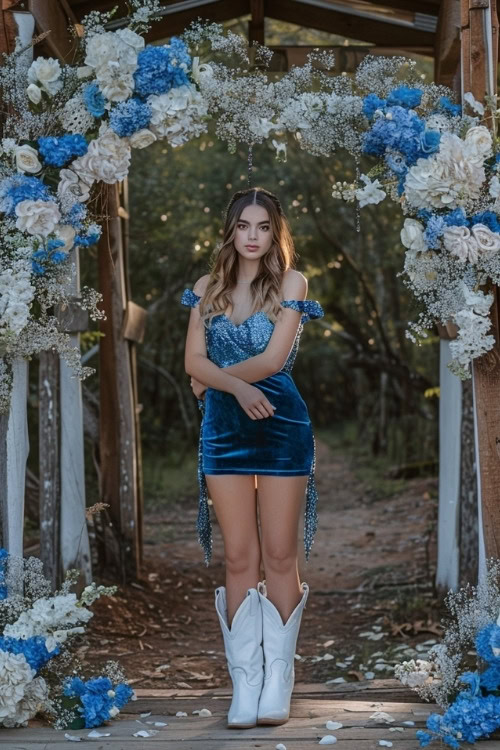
{"x":328,"y":643}
{"x":280,"y":746}
{"x":181,"y":713}
{"x":72,"y":737}
{"x":382,"y":717}
{"x":336,"y":679}
{"x":334,"y":725}
{"x":385,"y":743}
{"x":369,"y":675}
{"x":145,"y":733}
{"x":328,"y":657}
{"x":328,"y":739}
{"x":94,"y":734}
{"x":143,"y":716}
{"x":408,"y":723}
{"x":205,"y":712}
{"x":396,"y":729}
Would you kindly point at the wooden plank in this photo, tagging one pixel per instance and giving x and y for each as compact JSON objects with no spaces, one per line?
{"x":52,"y":17}
{"x":469,"y":498}
{"x":49,"y":487}
{"x":134,"y":322}
{"x":14,"y":448}
{"x":118,"y":454}
{"x":256,"y":23}
{"x":353,"y":27}
{"x":447,"y":45}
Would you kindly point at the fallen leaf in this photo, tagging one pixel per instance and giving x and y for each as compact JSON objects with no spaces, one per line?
{"x":356,"y":674}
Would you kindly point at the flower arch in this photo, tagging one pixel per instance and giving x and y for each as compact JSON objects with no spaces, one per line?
{"x":71,"y":128}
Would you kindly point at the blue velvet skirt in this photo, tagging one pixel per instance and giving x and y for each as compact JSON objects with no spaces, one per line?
{"x":281,"y":445}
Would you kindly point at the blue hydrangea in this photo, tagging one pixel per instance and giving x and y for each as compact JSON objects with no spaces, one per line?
{"x":447,"y":105}
{"x":489,"y":218}
{"x":76,"y":215}
{"x":424,"y":214}
{"x":34,"y":649}
{"x":95,"y":702}
{"x":158,"y":68}
{"x":490,"y":678}
{"x":19,"y":188}
{"x":129,"y":117}
{"x":468,"y":718}
{"x":371,"y":103}
{"x":433,"y":231}
{"x":58,"y":151}
{"x":396,"y":163}
{"x":456,"y":218}
{"x":91,"y":238}
{"x":488,"y":636}
{"x":49,"y":255}
{"x":400,"y":132}
{"x":94,"y":100}
{"x":405,"y":97}
{"x":429,"y":142}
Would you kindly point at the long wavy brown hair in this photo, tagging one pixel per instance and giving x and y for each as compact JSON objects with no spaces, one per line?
{"x":265,"y":288}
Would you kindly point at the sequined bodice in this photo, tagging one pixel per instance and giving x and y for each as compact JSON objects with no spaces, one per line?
{"x":229,"y":343}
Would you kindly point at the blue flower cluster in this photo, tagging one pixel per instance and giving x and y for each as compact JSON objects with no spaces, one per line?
{"x":447,"y":106}
{"x":19,"y":188}
{"x":91,"y":238}
{"x":76,"y":215}
{"x":130,"y":116}
{"x":3,"y":563}
{"x":475,"y":712}
{"x":58,"y":151}
{"x":94,"y":100}
{"x":95,"y":700}
{"x":158,"y":68}
{"x":403,"y":131}
{"x":403,"y":96}
{"x":34,"y":649}
{"x":49,"y":255}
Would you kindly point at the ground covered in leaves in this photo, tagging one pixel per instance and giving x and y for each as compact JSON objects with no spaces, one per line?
{"x":371,"y":573}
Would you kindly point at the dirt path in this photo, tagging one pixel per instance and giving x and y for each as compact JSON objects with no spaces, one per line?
{"x":371,"y":571}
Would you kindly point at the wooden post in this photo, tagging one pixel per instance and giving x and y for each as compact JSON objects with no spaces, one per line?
{"x":48,"y":462}
{"x":74,"y":539}
{"x":479,"y":73}
{"x":14,"y":448}
{"x":457,"y":561}
{"x":256,"y":23}
{"x":118,"y":452}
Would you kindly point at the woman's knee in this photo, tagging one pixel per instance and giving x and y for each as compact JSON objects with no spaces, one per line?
{"x":240,"y":558}
{"x":279,"y":559}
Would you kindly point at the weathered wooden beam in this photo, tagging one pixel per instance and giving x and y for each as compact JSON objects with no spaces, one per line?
{"x":353,"y":27}
{"x":479,"y":22}
{"x":118,"y":449}
{"x":429,"y":7}
{"x":447,"y":45}
{"x":256,"y":23}
{"x":49,"y":486}
{"x":52,"y":16}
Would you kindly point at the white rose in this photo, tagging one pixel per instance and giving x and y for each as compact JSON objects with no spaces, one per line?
{"x":70,"y":182}
{"x":488,"y":241}
{"x":494,"y":190}
{"x":46,"y":72}
{"x":27,"y":159}
{"x":37,"y":217}
{"x":412,"y":235}
{"x":116,"y":88}
{"x":459,"y":241}
{"x":66,"y":233}
{"x":479,"y":142}
{"x":114,"y":711}
{"x":142,"y":138}
{"x":34,"y":93}
{"x":107,"y":158}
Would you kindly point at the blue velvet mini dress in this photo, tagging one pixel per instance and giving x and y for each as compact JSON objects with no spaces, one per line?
{"x":233,"y":443}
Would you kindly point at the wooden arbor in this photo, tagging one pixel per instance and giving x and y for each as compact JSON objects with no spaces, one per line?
{"x":389,"y":27}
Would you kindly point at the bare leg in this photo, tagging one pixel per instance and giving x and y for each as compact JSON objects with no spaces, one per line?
{"x":280,"y":505}
{"x":233,"y":497}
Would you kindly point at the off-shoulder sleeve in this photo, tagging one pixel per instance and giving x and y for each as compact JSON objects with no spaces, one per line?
{"x":310,"y":309}
{"x":189,"y":298}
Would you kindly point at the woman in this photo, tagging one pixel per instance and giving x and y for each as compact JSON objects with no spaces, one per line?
{"x":244,"y":329}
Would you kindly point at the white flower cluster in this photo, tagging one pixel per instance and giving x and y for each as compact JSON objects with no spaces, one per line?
{"x":177,"y":116}
{"x":107,"y":159}
{"x":112,"y":59}
{"x":22,"y":694}
{"x":16,"y":296}
{"x":416,"y":673}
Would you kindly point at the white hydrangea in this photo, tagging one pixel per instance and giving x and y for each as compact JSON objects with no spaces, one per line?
{"x":447,"y":179}
{"x":16,"y":296}
{"x":107,"y":158}
{"x":112,"y":56}
{"x":176,"y":115}
{"x":15,"y":676}
{"x":35,"y":699}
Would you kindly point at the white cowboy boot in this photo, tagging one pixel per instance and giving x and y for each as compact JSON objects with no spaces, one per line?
{"x":279,"y":642}
{"x":245,"y":659}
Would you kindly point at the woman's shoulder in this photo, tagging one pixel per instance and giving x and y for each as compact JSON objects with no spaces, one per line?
{"x":294,"y":285}
{"x":201,"y":285}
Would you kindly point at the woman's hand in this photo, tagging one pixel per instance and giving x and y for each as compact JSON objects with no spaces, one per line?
{"x":253,"y":401}
{"x":198,"y":388}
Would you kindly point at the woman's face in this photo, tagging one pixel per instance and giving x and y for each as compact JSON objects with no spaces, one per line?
{"x":254,"y":235}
